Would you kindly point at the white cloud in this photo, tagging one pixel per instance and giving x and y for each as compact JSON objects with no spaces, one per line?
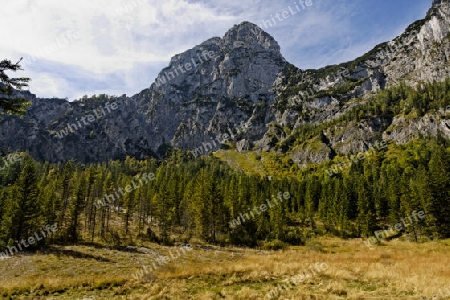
{"x":108,"y":40}
{"x":122,"y":44}
{"x":49,"y":84}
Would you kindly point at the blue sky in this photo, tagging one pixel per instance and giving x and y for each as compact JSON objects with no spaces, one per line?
{"x":85,"y":47}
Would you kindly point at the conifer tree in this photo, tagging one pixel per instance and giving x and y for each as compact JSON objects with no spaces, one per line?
{"x":366,"y":208}
{"x":76,"y":206}
{"x":439,"y":177}
{"x":65,"y":190}
{"x":217,"y":218}
{"x":164,"y":213}
{"x":11,"y":102}
{"x":51,"y":203}
{"x":25,"y":207}
{"x":341,"y":203}
{"x":129,"y":205}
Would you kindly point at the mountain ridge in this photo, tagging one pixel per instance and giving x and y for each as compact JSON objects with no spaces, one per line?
{"x":241,"y":87}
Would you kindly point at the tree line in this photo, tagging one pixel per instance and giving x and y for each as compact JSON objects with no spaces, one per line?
{"x":197,"y":198}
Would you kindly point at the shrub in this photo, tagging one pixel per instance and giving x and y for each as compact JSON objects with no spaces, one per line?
{"x":294,"y":237}
{"x":315,"y":245}
{"x":275,"y":245}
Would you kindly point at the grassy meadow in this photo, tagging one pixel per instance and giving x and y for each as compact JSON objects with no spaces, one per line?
{"x":393,"y":270}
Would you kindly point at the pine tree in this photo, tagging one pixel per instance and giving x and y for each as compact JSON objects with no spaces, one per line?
{"x":25,"y":209}
{"x":326,"y":204}
{"x":10,"y":103}
{"x":341,"y":203}
{"x":366,"y":208}
{"x":76,"y":206}
{"x":129,"y":203}
{"x":439,"y":179}
{"x":94,"y":189}
{"x":202,"y":206}
{"x":419,"y":192}
{"x":185,"y":209}
{"x":312,"y":197}
{"x":51,"y":203}
{"x":65,"y":190}
{"x":217,"y":209}
{"x":394,"y":193}
{"x":164,"y":213}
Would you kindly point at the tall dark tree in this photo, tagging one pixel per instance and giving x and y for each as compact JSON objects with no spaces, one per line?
{"x":366,"y":208}
{"x":10,"y":101}
{"x":439,"y":177}
{"x":76,"y":207}
{"x":23,"y":207}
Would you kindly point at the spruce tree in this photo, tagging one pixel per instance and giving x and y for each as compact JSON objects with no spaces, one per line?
{"x":76,"y":206}
{"x":10,"y":101}
{"x":439,"y":177}
{"x":25,"y":208}
{"x":366,"y":208}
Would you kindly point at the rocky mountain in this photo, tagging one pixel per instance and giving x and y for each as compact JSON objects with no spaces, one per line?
{"x":239,"y":90}
{"x":420,"y":54}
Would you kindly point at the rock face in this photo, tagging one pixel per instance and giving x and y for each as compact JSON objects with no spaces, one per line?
{"x":240,"y":90}
{"x":228,"y":85}
{"x":223,"y":86}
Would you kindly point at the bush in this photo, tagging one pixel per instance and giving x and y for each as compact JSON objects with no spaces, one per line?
{"x":149,"y":236}
{"x":294,"y":237}
{"x":241,"y":237}
{"x":113,"y":237}
{"x":275,"y":245}
{"x":315,"y":245}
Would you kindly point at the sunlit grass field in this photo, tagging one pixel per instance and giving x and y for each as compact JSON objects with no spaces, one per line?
{"x":394,"y":270}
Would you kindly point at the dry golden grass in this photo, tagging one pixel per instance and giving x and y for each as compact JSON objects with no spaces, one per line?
{"x":396,"y":270}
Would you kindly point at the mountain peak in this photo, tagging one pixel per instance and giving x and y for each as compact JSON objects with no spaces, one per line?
{"x":251,"y":35}
{"x":440,"y":8}
{"x":437,"y":2}
{"x":248,"y":25}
